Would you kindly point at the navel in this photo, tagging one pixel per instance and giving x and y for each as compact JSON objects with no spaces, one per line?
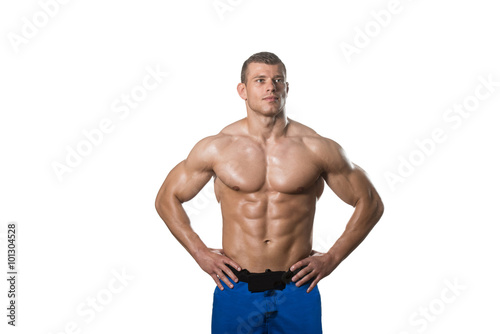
{"x":267,"y":242}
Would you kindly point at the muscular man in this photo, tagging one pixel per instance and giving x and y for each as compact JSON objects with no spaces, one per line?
{"x":268,"y":173}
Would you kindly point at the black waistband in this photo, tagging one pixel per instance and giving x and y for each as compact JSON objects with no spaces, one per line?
{"x":268,"y":280}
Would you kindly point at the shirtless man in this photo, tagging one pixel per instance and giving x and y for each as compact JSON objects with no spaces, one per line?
{"x":268,"y":172}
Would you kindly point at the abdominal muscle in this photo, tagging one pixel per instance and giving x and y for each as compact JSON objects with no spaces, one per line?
{"x":268,"y":230}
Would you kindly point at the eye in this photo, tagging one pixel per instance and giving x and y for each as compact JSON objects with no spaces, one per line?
{"x":260,"y":80}
{"x":279,"y":80}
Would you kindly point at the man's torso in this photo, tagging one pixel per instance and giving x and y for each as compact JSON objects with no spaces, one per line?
{"x":268,"y":193}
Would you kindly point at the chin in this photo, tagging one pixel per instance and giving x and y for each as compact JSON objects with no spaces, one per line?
{"x":271,"y":112}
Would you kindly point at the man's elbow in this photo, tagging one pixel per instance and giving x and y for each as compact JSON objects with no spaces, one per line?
{"x":378,"y":209}
{"x":158,"y":203}
{"x":161,"y":202}
{"x":165,"y":201}
{"x":373,"y":207}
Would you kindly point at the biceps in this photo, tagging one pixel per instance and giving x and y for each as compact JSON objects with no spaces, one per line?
{"x":350,"y":185}
{"x":184,"y":183}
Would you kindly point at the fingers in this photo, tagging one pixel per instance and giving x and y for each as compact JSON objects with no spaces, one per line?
{"x":232,"y":263}
{"x":306,"y":275}
{"x":298,"y":265}
{"x":216,"y":280}
{"x":218,"y":268}
{"x":306,"y":263}
{"x":230,"y":273}
{"x":227,"y":270}
{"x":313,"y":284}
{"x":303,"y":276}
{"x":224,"y":279}
{"x":221,"y":274}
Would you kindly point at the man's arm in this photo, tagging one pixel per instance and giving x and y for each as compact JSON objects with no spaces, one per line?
{"x":350,"y":183}
{"x":183,"y":183}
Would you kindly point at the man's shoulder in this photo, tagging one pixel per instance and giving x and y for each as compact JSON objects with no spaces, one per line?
{"x":216,"y":142}
{"x":313,"y":140}
{"x":325,"y":151}
{"x":233,"y":129}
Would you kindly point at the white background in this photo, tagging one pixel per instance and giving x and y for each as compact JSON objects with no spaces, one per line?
{"x":440,"y":224}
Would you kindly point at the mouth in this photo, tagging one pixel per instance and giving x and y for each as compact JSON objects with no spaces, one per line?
{"x":271,"y":98}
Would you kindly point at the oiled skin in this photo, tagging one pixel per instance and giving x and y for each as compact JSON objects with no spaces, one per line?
{"x":269,"y":171}
{"x":268,"y":196}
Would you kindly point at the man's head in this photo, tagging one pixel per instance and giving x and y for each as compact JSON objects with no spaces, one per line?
{"x":263,"y":84}
{"x":268,"y":58}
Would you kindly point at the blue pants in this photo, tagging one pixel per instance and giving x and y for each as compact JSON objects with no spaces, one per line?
{"x":288,"y":311}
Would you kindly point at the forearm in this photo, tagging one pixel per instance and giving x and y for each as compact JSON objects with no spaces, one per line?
{"x":366,"y":214}
{"x":173,"y":214}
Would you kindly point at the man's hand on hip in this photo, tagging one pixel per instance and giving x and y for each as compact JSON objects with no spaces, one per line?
{"x":318,"y":266}
{"x":214,"y":262}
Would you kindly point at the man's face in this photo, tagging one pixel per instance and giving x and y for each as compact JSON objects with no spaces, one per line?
{"x":265,"y":90}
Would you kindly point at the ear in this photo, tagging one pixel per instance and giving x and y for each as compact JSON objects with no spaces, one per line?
{"x":242,"y":90}
{"x":287,"y":87}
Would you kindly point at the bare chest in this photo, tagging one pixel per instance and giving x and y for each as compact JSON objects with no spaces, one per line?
{"x":286,"y":168}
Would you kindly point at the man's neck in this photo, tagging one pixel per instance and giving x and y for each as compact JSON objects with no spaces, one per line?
{"x":266,"y":128}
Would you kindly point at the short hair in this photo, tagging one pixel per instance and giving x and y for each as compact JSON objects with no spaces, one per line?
{"x":268,"y":58}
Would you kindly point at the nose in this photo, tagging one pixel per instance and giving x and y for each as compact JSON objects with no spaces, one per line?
{"x":271,"y":86}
